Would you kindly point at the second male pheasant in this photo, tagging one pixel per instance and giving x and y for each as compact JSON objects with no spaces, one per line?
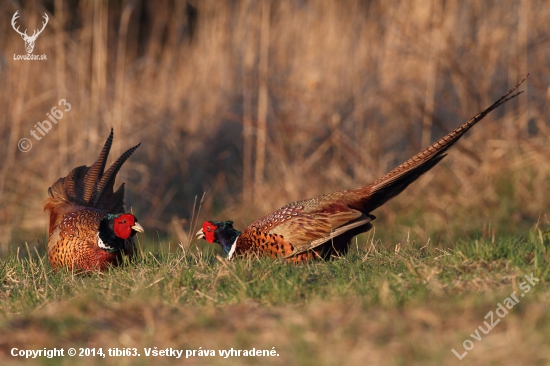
{"x":88,"y":227}
{"x":324,"y":226}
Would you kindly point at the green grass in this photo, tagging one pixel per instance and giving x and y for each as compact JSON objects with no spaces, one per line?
{"x":398,"y":305}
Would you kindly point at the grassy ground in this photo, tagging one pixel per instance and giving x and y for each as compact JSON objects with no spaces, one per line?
{"x":404,"y":305}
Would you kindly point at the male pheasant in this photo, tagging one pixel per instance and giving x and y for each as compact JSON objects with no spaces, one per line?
{"x":88,"y":227}
{"x":322,"y":227}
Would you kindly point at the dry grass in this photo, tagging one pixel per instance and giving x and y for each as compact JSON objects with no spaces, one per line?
{"x":406,"y":306}
{"x":326,"y":333}
{"x":346,"y":91}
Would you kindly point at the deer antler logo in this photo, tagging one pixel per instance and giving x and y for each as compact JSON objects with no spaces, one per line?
{"x":29,"y":41}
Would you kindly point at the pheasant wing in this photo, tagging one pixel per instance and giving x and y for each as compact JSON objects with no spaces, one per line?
{"x":360,"y":221}
{"x":306,"y":227}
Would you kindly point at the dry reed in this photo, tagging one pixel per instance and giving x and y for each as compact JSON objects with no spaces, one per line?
{"x":259,"y":105}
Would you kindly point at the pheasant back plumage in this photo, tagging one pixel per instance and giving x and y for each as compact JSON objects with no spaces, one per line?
{"x":75,"y":243}
{"x":303,"y":230}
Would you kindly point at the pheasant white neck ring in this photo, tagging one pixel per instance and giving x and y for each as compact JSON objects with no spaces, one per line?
{"x":232,"y":250}
{"x":102,"y":245}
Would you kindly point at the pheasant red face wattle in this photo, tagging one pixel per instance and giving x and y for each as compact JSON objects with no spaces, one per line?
{"x":208,"y":230}
{"x":126,"y":225}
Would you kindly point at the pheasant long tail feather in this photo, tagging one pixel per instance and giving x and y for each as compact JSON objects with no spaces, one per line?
{"x":104,"y":194}
{"x":394,"y":182}
{"x":95,"y":172}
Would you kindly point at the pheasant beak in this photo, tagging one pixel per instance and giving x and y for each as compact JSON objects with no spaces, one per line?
{"x":200,"y":234}
{"x":137,"y":227}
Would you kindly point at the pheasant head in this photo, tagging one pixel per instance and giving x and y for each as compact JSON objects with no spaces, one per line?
{"x":220,"y":232}
{"x":114,"y":230}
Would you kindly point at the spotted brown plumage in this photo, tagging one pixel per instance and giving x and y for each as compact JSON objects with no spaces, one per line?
{"x":88,"y":227}
{"x":322,"y":227}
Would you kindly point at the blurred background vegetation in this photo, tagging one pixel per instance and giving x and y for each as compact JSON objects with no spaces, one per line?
{"x":260,"y":103}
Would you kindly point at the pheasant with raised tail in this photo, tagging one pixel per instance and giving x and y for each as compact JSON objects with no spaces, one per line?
{"x":88,"y":227}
